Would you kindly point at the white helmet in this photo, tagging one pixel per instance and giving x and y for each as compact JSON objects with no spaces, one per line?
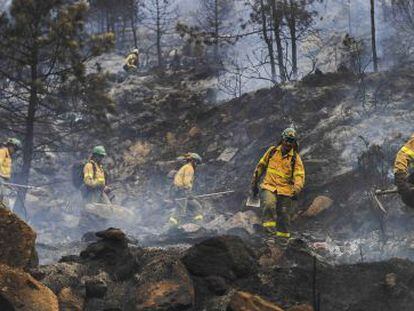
{"x":135,"y":51}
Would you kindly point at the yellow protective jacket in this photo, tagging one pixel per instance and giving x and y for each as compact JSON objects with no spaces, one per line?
{"x":131,"y":60}
{"x":278,"y":172}
{"x":184,"y":178}
{"x":93,"y":177}
{"x":5,"y":163}
{"x":405,"y":157}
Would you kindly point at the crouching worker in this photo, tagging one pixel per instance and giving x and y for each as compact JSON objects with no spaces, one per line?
{"x":283,"y":178}
{"x":94,"y":190}
{"x":132,"y":61}
{"x":187,"y":208}
{"x":404,"y":179}
{"x":6,"y":153}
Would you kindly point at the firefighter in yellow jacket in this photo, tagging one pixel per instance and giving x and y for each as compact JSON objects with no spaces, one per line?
{"x":402,"y":165}
{"x":132,"y":60}
{"x":95,"y":188}
{"x":189,"y":208}
{"x":6,"y":152}
{"x":283,"y":178}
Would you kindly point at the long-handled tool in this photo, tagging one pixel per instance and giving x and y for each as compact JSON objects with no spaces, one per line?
{"x":207,"y":195}
{"x":374,"y":195}
{"x":13,"y":185}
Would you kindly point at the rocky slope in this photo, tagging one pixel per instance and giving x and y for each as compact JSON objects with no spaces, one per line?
{"x":220,"y":273}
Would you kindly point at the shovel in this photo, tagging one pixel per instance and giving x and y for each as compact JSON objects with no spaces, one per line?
{"x":253,"y":202}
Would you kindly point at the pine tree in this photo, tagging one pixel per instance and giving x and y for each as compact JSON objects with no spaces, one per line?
{"x":43,"y":46}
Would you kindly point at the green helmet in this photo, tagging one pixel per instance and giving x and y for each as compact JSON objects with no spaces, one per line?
{"x":99,"y":150}
{"x":14,"y":142}
{"x":289,"y":134}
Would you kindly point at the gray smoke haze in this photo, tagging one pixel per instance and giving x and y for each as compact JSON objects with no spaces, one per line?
{"x":5,"y":5}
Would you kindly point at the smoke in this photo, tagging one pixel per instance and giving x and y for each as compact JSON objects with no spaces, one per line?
{"x":5,"y":5}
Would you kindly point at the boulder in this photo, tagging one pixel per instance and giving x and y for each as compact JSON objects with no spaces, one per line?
{"x":245,"y":220}
{"x":227,"y":154}
{"x":110,"y":211}
{"x":318,"y":205}
{"x":224,"y":256}
{"x":164,"y":284}
{"x":244,"y":301}
{"x":70,"y":301}
{"x":113,"y":234}
{"x":95,"y":288}
{"x":21,"y":292}
{"x":194,"y":132}
{"x":17,"y":242}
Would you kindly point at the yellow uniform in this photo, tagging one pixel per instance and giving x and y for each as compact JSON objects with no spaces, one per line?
{"x":94,"y":177}
{"x":184,"y":178}
{"x":5,"y":163}
{"x":278,"y":175}
{"x":405,"y":157}
{"x":131,"y":62}
{"x":279,"y":185}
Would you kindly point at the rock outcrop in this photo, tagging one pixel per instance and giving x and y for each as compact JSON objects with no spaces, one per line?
{"x":21,"y":292}
{"x":17,"y":241}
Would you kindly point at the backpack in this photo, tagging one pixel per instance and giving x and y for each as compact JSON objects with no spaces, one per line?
{"x":77,"y":173}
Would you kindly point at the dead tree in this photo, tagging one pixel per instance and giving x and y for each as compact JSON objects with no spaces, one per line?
{"x":373,"y":39}
{"x":159,"y":19}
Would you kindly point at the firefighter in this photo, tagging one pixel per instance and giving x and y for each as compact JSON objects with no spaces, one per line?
{"x":94,"y":190}
{"x":132,"y":61}
{"x":283,"y":178}
{"x":188,"y":208}
{"x":6,"y":152}
{"x":403,"y":180}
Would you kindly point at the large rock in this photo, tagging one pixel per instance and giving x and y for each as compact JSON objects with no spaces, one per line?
{"x":225,"y":256}
{"x":70,"y":301}
{"x":164,"y":284}
{"x":21,"y":292}
{"x":243,"y":220}
{"x":244,"y":301}
{"x":17,"y":241}
{"x":319,"y":204}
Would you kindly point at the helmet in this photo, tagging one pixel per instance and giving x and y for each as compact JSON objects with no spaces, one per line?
{"x":289,"y":135}
{"x":136,"y":51}
{"x":190,"y":156}
{"x":99,"y":150}
{"x":14,"y":142}
{"x":194,"y":156}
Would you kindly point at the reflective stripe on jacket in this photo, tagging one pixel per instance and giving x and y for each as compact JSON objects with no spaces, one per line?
{"x":5,"y":163}
{"x":278,"y":175}
{"x":93,"y":177}
{"x":184,"y":178}
{"x":405,"y":157}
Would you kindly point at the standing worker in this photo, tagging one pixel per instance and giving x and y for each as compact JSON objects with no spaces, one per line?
{"x":94,"y":189}
{"x":182,"y":188}
{"x":284,"y":177}
{"x":132,"y":61}
{"x":403,"y":180}
{"x":6,"y":152}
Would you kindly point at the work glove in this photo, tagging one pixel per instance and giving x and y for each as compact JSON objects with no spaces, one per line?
{"x":107,"y":189}
{"x":400,"y":180}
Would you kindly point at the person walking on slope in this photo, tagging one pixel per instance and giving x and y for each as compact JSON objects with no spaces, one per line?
{"x":132,"y":61}
{"x":94,"y":188}
{"x":6,"y":152}
{"x":403,"y":180}
{"x":283,"y":178}
{"x":182,"y":188}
